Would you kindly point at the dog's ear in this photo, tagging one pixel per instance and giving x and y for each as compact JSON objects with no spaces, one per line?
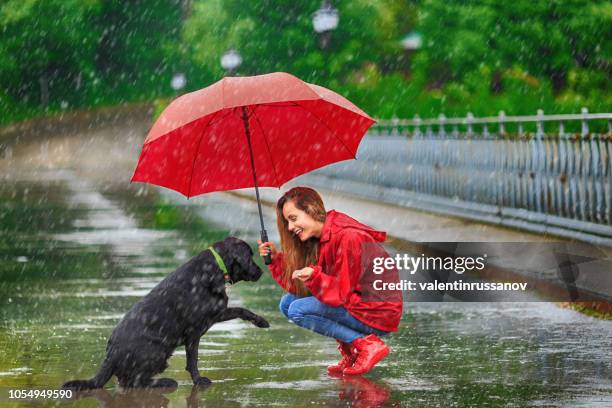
{"x":236,"y":243}
{"x":233,"y":241}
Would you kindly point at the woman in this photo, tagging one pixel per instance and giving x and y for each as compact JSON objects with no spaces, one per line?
{"x":322,"y":269}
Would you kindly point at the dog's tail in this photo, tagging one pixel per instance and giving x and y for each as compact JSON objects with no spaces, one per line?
{"x":103,"y":375}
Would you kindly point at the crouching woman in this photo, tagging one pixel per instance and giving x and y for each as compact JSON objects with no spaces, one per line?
{"x":324,"y":267}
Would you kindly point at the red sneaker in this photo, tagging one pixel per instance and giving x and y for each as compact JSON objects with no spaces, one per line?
{"x":348,"y":358}
{"x":370,"y":350}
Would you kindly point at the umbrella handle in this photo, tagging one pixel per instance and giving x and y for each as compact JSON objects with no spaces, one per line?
{"x":264,"y":238}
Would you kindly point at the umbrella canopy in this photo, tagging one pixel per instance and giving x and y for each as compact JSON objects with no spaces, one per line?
{"x":249,"y":131}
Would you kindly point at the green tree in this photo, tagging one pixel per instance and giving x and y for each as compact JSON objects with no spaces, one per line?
{"x":479,"y":55}
{"x":63,"y":53}
{"x":47,"y":49}
{"x":278,"y":36}
{"x":545,"y":39}
{"x":137,"y":50}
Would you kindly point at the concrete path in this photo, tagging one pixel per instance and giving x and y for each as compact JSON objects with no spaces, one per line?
{"x":108,"y":154}
{"x":405,"y":223}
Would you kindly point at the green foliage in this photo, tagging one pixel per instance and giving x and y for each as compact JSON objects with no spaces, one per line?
{"x":477,"y":55}
{"x":534,"y":48}
{"x":61,"y":54}
{"x":166,"y":217}
{"x":278,"y":36}
{"x":136,"y":46}
{"x":46,"y":41}
{"x":159,"y":105}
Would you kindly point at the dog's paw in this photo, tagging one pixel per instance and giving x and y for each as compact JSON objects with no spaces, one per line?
{"x":202,"y":381}
{"x":78,"y":385}
{"x":164,"y":383}
{"x":261,"y":322}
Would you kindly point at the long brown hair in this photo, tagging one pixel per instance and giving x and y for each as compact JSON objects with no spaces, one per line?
{"x":299,"y":254}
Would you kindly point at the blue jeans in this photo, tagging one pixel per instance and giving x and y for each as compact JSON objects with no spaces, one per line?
{"x":336,"y":322}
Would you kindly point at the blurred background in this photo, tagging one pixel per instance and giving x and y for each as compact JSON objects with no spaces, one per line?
{"x":391,"y":57}
{"x":80,"y":244}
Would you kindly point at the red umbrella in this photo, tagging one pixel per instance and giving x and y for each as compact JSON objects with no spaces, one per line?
{"x":258,"y":131}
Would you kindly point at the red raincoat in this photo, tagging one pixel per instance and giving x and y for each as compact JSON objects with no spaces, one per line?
{"x":343,"y":274}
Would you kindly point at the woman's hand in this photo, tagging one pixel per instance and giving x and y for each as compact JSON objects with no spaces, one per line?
{"x":303,"y":274}
{"x":266,"y":248}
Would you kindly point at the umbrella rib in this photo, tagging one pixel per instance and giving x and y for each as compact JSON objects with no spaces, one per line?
{"x":330,"y":129}
{"x":267,"y":147}
{"x":229,"y":112}
{"x":196,"y":153}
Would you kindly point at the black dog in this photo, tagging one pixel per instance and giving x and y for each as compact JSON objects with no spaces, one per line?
{"x":178,"y":311}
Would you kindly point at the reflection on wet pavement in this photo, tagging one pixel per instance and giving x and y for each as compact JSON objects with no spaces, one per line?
{"x":76,"y":255}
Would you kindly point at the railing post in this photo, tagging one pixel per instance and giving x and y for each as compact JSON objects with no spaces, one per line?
{"x":564,"y":172}
{"x":585,"y":124}
{"x":441,"y":122}
{"x":394,"y":123}
{"x":455,"y":131}
{"x":502,"y":126}
{"x":417,"y":126}
{"x":585,"y":210}
{"x":441,"y":151}
{"x":539,"y":161}
{"x":595,"y":188}
{"x":416,"y":143}
{"x":428,"y":131}
{"x":503,"y":154}
{"x":470,"y":120}
{"x":573,"y":171}
{"x":540,"y":124}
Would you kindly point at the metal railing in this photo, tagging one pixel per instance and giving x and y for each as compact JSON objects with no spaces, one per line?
{"x":506,"y":167}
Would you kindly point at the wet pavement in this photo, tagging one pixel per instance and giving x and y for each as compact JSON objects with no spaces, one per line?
{"x":79,"y":245}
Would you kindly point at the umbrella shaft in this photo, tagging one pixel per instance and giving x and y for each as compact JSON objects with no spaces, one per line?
{"x":247,"y":131}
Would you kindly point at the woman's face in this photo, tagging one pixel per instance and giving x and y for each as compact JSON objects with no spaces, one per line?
{"x":300,"y":223}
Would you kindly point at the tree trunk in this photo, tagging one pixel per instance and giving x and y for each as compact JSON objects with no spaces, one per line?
{"x":44,"y":90}
{"x":497,"y":85}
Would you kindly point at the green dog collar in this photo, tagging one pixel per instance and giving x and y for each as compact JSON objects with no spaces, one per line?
{"x":220,"y":263}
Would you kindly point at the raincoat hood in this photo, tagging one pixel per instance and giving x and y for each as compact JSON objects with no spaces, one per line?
{"x":336,"y":221}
